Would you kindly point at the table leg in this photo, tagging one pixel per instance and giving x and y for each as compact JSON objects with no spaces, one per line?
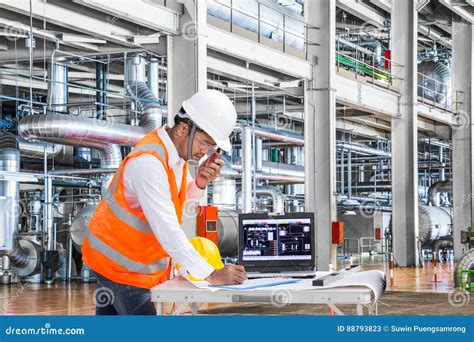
{"x":159,"y":309}
{"x":194,"y":308}
{"x":373,"y":309}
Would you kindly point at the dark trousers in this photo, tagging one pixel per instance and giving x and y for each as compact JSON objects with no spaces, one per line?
{"x":112,"y":298}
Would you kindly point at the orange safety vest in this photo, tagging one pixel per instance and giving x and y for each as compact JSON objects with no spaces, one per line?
{"x":119,"y":242}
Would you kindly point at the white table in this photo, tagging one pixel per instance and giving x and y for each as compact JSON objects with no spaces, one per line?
{"x":179,"y":290}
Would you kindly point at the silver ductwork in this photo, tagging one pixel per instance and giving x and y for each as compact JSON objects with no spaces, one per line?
{"x":80,"y":223}
{"x":228,"y":232}
{"x":436,"y":86}
{"x":10,"y":195}
{"x":58,"y":89}
{"x":37,"y":150}
{"x":152,"y":76}
{"x":436,"y":189}
{"x":446,"y":242}
{"x":223,"y":193}
{"x":376,"y":47}
{"x":278,"y":198}
{"x":434,"y":223}
{"x":57,"y":129}
{"x":150,"y":114}
{"x":104,"y":136}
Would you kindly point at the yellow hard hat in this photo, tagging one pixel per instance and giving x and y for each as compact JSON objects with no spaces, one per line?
{"x":208,"y":250}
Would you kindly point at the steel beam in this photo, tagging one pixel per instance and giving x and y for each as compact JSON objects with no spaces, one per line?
{"x":320,"y":127}
{"x":404,"y":135}
{"x":462,"y":160}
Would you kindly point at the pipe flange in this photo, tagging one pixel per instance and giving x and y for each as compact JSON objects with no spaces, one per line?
{"x":34,"y":263}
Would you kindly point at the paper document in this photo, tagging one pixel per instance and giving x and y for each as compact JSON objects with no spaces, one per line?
{"x":252,"y":284}
{"x":374,"y":280}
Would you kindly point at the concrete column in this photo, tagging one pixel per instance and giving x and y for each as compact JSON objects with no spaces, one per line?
{"x":404,"y":134}
{"x":462,"y":50}
{"x":320,"y":126}
{"x":187,"y":54}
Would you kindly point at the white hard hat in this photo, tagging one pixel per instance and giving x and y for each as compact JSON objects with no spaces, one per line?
{"x":212,"y":111}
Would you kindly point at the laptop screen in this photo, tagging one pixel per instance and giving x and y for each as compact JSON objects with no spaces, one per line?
{"x":277,"y":239}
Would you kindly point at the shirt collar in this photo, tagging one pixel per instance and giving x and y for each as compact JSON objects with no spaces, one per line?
{"x":173,"y":155}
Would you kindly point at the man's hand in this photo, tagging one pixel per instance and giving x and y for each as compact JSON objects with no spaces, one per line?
{"x":229,"y":275}
{"x":208,"y":171}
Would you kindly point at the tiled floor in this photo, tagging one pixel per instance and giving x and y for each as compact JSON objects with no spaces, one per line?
{"x":77,"y":298}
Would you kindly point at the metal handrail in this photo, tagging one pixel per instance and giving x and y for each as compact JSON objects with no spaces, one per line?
{"x":362,"y":61}
{"x":448,"y":98}
{"x":261,"y":20}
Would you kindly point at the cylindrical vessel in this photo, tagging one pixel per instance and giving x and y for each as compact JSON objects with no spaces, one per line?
{"x":58,"y":89}
{"x":228,"y":232}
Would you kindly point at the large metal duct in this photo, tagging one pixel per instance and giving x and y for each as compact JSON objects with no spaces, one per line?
{"x":104,"y":136}
{"x":436,"y":189}
{"x":434,"y":223}
{"x":57,"y":129}
{"x":272,"y":24}
{"x":437,"y":83}
{"x":19,"y":256}
{"x":80,"y":223}
{"x":292,"y":173}
{"x":58,"y":89}
{"x":37,"y":150}
{"x":446,"y":242}
{"x":228,"y":232}
{"x":376,"y":48}
{"x":361,"y":149}
{"x":147,"y":103}
{"x":278,"y":198}
{"x":223,"y":193}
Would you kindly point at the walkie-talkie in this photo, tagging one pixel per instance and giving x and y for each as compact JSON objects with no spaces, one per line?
{"x":215,"y":155}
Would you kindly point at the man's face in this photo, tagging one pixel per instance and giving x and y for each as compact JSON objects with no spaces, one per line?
{"x":203,"y":144}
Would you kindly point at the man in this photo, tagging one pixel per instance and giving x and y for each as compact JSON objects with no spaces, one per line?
{"x":136,"y":227}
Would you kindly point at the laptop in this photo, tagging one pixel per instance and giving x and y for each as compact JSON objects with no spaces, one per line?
{"x":277,"y":246}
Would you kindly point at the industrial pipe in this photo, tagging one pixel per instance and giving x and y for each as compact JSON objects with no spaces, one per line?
{"x":147,"y":103}
{"x":278,"y":198}
{"x":10,"y":192}
{"x":436,"y":188}
{"x":247,"y":169}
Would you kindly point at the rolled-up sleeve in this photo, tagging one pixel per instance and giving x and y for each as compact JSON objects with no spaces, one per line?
{"x":147,"y":179}
{"x":193,"y":192}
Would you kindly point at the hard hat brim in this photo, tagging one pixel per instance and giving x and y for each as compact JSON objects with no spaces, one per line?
{"x":224,"y":145}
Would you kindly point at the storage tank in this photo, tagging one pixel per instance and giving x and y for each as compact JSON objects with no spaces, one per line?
{"x":80,"y":223}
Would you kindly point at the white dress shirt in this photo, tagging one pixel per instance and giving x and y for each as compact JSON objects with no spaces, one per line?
{"x":147,"y":188}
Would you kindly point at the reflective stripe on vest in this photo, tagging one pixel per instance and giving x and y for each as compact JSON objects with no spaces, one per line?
{"x":122,"y":260}
{"x":117,"y":210}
